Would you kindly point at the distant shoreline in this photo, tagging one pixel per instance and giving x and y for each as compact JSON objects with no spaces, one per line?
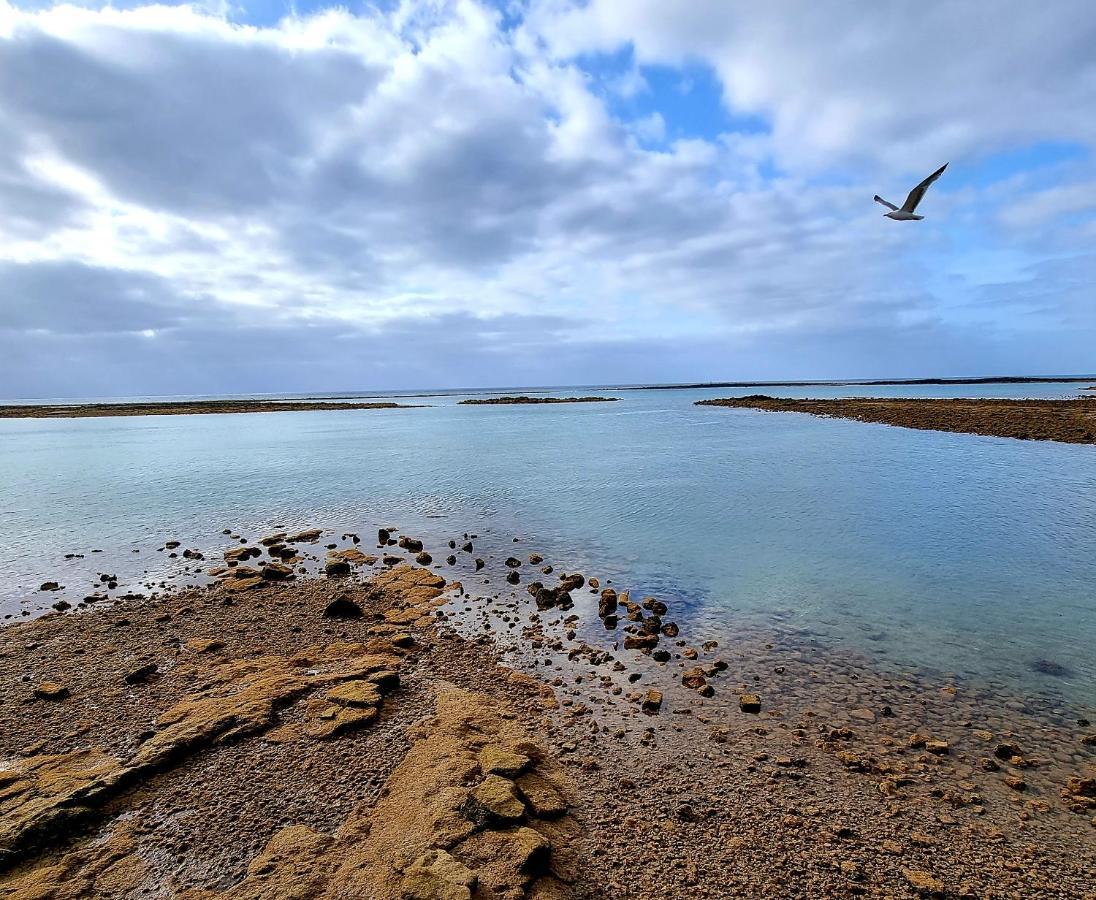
{"x":181,"y":408}
{"x":1071,"y":421}
{"x":882,"y":382}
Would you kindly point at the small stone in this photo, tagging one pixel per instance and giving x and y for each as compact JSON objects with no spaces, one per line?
{"x":923,"y":882}
{"x":938,"y":747}
{"x":205,"y":645}
{"x":141,"y":674}
{"x":51,"y":690}
{"x":749,"y":703}
{"x":652,"y":702}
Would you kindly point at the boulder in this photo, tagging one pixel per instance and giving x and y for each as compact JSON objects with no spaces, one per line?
{"x":656,"y":606}
{"x":607,"y":603}
{"x":411,"y":544}
{"x":342,"y":607}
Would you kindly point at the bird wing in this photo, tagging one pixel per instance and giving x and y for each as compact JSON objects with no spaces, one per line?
{"x":886,"y":203}
{"x":918,"y":192}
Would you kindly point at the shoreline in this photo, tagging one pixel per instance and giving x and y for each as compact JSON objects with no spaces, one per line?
{"x":837,"y":781}
{"x":1071,"y":421}
{"x":185,"y":408}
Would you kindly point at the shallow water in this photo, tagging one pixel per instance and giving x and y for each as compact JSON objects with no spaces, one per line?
{"x":965,"y":554}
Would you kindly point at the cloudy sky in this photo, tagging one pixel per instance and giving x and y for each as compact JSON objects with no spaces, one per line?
{"x":272,"y":197}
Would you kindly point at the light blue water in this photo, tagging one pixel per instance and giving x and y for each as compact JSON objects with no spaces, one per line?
{"x":952,"y":552}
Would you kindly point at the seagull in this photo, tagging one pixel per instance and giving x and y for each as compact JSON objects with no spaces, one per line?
{"x":906,"y":212}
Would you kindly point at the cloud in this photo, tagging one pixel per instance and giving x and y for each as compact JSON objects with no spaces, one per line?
{"x":441,"y":194}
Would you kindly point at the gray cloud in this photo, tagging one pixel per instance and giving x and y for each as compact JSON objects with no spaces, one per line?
{"x":376,"y":201}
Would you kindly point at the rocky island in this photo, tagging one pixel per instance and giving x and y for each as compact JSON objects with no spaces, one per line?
{"x":182,"y":408}
{"x":1071,"y":421}
{"x":520,"y":401}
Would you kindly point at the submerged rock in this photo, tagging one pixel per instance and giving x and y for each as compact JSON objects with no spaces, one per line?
{"x":342,"y":607}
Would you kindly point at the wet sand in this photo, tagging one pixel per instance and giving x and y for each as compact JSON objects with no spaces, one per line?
{"x":496,"y":728}
{"x":520,"y":401}
{"x":183,"y":408}
{"x":1069,"y":421}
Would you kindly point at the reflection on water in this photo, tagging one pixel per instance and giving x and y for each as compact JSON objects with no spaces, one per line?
{"x":968,"y":554}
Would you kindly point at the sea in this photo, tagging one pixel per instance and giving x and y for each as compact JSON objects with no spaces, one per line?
{"x":969,"y":556}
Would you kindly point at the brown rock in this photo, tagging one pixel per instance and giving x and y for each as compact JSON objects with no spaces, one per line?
{"x":541,"y":796}
{"x":749,"y":703}
{"x":652,"y":702}
{"x":496,"y":760}
{"x":437,"y":876}
{"x":51,"y":690}
{"x":493,"y":802}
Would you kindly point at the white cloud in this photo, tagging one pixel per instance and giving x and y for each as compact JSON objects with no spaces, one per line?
{"x":431,"y":173}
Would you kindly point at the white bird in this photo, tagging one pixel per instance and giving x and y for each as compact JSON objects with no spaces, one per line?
{"x":906,"y":212}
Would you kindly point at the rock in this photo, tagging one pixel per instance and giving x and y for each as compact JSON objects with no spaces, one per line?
{"x":241,"y":554}
{"x":305,"y":537}
{"x":512,"y":562}
{"x":355,"y":693}
{"x":336,"y":567}
{"x":694,"y":678}
{"x":923,"y":882}
{"x":51,"y":690}
{"x":171,"y":545}
{"x":749,"y":703}
{"x":479,"y":563}
{"x":276,"y":572}
{"x":62,"y":605}
{"x":652,"y":702}
{"x":661,"y":656}
{"x":273,"y":539}
{"x":1016,"y":782}
{"x":541,"y":796}
{"x":1007,"y":751}
{"x":437,"y":876}
{"x":450,"y":560}
{"x":607,"y":604}
{"x":535,"y":559}
{"x":656,"y":606}
{"x":493,"y":802}
{"x":513,"y":577}
{"x":383,"y":536}
{"x":352,"y":555}
{"x":670,"y":629}
{"x":411,"y":544}
{"x":938,"y":747}
{"x":863,"y":715}
{"x":467,"y":547}
{"x":423,"y":558}
{"x":640,"y":641}
{"x":496,"y":760}
{"x":205,"y":645}
{"x":50,"y":586}
{"x":342,"y":607}
{"x":141,"y":674}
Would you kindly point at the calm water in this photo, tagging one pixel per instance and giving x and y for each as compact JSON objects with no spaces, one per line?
{"x":949,"y":552}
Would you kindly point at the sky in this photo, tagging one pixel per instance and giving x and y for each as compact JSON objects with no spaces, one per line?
{"x":273,"y":197}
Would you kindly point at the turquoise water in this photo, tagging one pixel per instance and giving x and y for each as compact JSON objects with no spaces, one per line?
{"x":966,"y":554}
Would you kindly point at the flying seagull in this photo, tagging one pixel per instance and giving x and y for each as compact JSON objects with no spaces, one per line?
{"x":906,"y":212}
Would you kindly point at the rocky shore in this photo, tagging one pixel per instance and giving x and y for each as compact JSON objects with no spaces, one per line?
{"x":183,"y":408}
{"x":523,"y":400}
{"x":1070,"y":421}
{"x":409,"y":721}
